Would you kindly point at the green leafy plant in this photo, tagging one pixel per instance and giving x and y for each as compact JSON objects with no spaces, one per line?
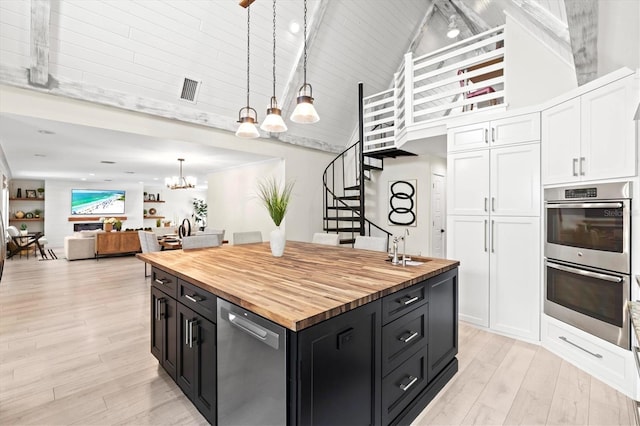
{"x":23,"y":227}
{"x":158,"y":223}
{"x":200,"y":209}
{"x":37,"y":213}
{"x":275,"y":198}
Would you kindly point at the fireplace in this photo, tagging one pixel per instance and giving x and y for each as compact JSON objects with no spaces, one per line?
{"x":87,"y":226}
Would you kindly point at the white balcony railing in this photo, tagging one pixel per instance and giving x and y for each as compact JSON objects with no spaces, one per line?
{"x":458,"y":79}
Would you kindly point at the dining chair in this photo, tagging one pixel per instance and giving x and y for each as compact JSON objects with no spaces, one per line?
{"x":326,"y":239}
{"x":148,"y":244}
{"x":200,"y":241}
{"x":371,"y":243}
{"x":210,"y":230}
{"x":247,"y":237}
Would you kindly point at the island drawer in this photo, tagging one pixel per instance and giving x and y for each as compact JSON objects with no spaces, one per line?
{"x":199,"y":300}
{"x":402,"y":385}
{"x":401,"y":302}
{"x":165,"y":282}
{"x":403,"y":337}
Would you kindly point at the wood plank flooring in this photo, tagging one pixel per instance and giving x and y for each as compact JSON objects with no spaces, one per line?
{"x":74,"y":350}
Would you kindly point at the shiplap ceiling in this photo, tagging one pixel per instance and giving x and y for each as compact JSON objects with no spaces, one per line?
{"x":136,"y":53}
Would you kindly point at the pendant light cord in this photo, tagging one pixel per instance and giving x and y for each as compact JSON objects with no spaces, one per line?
{"x":305,"y":42}
{"x":274,"y":48}
{"x":248,"y":45}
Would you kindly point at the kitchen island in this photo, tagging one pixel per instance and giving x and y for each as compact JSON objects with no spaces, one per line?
{"x":366,"y":342}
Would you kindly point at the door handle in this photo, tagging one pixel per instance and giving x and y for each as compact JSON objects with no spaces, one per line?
{"x":493,"y":134}
{"x":412,"y":381}
{"x":486,"y":135}
{"x":582,"y":160}
{"x":493,"y":204}
{"x":485,"y":235}
{"x":493,"y":236}
{"x":412,"y":335}
{"x":186,"y":332}
{"x":156,"y":312}
{"x":575,"y":163}
{"x":485,"y":204}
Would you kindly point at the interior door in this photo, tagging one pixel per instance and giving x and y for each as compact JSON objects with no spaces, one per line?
{"x":438,"y":216}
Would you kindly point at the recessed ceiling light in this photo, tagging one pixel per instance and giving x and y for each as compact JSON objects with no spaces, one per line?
{"x":156,"y":178}
{"x":130,"y":173}
{"x":92,"y":174}
{"x":107,"y":162}
{"x":107,"y":180}
{"x":46,"y":132}
{"x":83,"y":178}
{"x":294,"y":27}
{"x":39,"y":155}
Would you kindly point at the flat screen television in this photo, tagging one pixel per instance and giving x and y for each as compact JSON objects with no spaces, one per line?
{"x":97,"y":202}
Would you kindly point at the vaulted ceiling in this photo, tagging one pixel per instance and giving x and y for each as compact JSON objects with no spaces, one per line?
{"x":136,"y":54}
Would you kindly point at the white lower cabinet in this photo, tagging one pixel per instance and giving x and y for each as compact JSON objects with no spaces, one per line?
{"x":499,"y":272}
{"x":607,"y":362}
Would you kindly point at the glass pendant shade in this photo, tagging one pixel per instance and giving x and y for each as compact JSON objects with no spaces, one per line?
{"x":247,"y":119}
{"x":274,"y":122}
{"x":305,"y":112}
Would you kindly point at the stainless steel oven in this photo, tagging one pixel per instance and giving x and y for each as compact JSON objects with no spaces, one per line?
{"x":590,"y":225}
{"x":588,"y":258}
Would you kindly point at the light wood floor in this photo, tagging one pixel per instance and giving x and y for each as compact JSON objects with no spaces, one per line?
{"x":74,"y":349}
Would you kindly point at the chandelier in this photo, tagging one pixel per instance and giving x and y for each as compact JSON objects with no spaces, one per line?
{"x":180,"y":182}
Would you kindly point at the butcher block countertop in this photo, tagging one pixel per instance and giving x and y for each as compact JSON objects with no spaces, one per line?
{"x":309,"y":284}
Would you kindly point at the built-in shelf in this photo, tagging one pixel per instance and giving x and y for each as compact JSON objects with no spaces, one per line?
{"x":151,"y":201}
{"x":24,"y":219}
{"x":29,"y":199}
{"x":153,"y":217}
{"x":92,"y":218}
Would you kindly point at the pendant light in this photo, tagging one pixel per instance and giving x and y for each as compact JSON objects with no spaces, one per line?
{"x":273,"y":122}
{"x":304,"y":111}
{"x":248,"y":117}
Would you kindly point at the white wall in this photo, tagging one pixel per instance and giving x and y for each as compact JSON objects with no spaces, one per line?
{"x":618,"y":35}
{"x":57,"y":207}
{"x":404,"y":168}
{"x":234,"y":205}
{"x":533,"y":73}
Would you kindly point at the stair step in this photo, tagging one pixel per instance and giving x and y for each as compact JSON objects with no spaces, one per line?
{"x":341,"y":229}
{"x":343,"y":218}
{"x":370,"y":167}
{"x":352,"y":188}
{"x":348,"y":197}
{"x":354,"y":208}
{"x":347,"y":240}
{"x":389,"y":153}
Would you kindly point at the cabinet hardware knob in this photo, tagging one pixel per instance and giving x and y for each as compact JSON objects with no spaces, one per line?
{"x":412,"y":335}
{"x":412,"y":381}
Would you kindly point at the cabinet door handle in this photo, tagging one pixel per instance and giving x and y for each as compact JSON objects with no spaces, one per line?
{"x":575,"y":164}
{"x":161,"y":282}
{"x":195,"y":298}
{"x":582,"y":160}
{"x":412,"y":381}
{"x":157,"y":310}
{"x":485,"y":234}
{"x":579,"y":347}
{"x":493,"y":134}
{"x":485,"y":204}
{"x":486,"y":135}
{"x":410,"y":300}
{"x":493,"y":236}
{"x":407,"y":338}
{"x":186,"y":332}
{"x":493,"y":204}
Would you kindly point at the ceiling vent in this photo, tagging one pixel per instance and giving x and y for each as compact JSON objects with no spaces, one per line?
{"x":190,"y":89}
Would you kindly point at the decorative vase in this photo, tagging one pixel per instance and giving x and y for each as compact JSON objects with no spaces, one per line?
{"x":277,"y":241}
{"x":108,"y":227}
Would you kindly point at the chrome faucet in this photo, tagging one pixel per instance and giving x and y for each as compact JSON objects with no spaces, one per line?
{"x":404,"y":247}
{"x":395,"y":261}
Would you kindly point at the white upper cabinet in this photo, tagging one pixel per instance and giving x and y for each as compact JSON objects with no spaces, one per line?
{"x":515,"y":180}
{"x":591,"y":136}
{"x":468,"y":183}
{"x":518,"y":129}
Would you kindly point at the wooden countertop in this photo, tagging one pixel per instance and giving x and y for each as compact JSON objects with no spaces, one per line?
{"x":307,"y":285}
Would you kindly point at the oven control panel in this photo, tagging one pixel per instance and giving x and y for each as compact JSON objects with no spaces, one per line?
{"x":581,"y":193}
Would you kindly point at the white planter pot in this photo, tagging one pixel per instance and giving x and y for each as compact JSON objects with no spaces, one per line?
{"x":24,"y":232}
{"x":277,"y":241}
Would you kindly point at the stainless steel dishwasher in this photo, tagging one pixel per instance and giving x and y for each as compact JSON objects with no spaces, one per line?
{"x":252,"y":371}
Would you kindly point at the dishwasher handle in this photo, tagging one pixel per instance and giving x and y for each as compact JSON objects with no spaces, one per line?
{"x":250,"y":328}
{"x":247,"y":326}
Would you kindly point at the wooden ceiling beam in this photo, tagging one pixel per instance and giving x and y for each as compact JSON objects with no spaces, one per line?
{"x":40,"y":29}
{"x":245,"y":3}
{"x":582,"y":17}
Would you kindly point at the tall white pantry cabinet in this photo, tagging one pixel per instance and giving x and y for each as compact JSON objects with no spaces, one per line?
{"x":493,"y":222}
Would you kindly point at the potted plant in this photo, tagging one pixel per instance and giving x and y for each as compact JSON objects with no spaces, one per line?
{"x":199,"y":215}
{"x":276,"y":200}
{"x":144,"y":212}
{"x":36,"y":213}
{"x":40,"y":192}
{"x":158,"y":223}
{"x":23,"y":229}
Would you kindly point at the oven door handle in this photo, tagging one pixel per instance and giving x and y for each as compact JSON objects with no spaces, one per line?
{"x":584,"y":205}
{"x":585,"y":273}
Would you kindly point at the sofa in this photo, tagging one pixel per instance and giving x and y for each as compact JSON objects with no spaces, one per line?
{"x":81,"y":245}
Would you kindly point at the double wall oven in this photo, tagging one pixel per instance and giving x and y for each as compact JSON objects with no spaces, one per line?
{"x":588,"y":258}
